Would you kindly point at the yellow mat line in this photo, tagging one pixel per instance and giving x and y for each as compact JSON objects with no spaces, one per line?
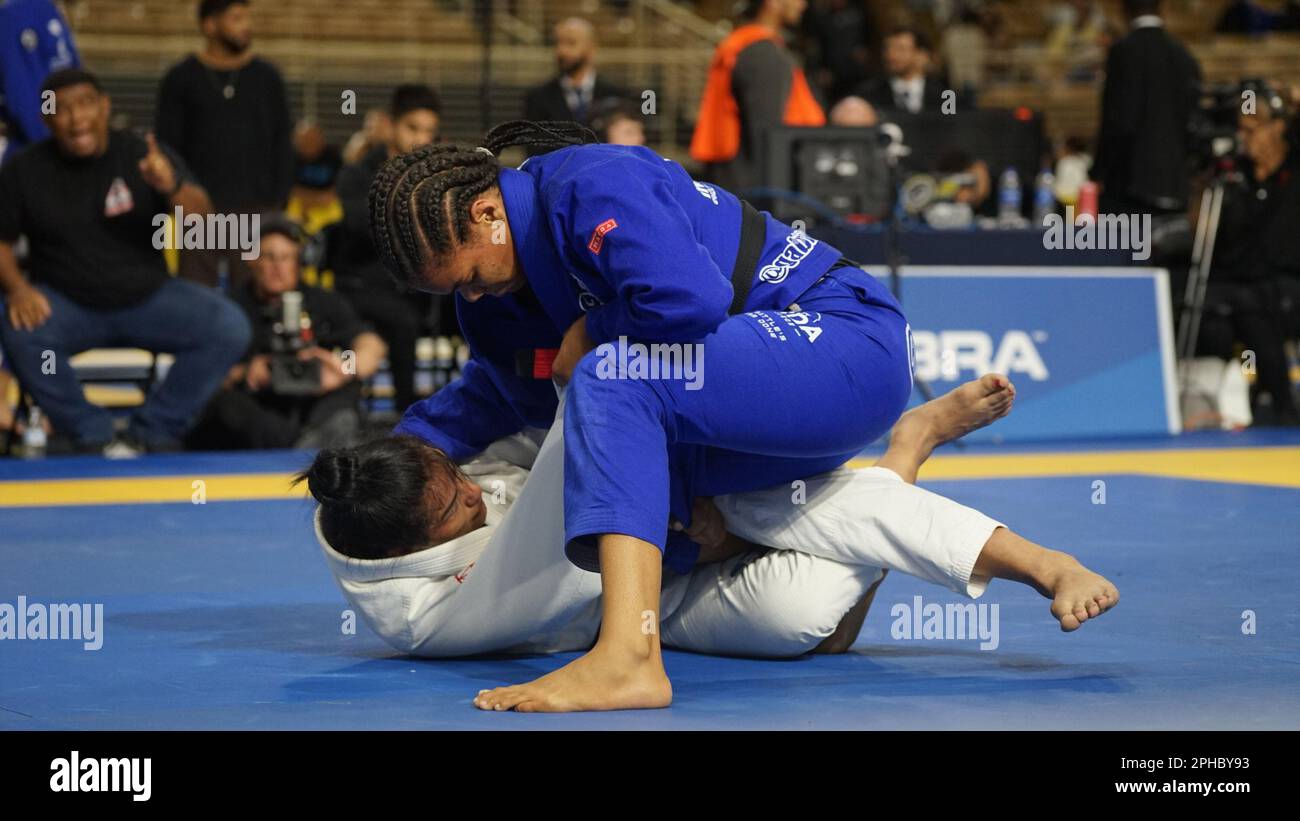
{"x":1279,"y":466}
{"x":148,"y":489}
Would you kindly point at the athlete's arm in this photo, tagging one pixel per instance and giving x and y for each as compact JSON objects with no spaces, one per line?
{"x":464,"y":417}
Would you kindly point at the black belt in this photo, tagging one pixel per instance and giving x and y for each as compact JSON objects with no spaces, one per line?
{"x":753,"y":234}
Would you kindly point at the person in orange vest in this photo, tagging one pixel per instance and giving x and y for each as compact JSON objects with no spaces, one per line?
{"x":754,"y":84}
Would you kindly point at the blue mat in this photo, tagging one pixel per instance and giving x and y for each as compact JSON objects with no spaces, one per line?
{"x":224,"y":616}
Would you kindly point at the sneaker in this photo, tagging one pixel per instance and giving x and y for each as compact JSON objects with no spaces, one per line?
{"x":122,"y":447}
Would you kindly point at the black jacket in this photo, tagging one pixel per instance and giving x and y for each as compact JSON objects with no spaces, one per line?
{"x":880,"y":94}
{"x":546,"y":101}
{"x":1150,"y":94}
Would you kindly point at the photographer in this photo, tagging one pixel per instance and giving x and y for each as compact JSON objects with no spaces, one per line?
{"x":1255,"y":278}
{"x":291,"y":390}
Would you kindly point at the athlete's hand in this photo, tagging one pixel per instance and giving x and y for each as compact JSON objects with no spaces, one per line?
{"x":575,"y":346}
{"x":708,"y":529}
{"x":28,"y":308}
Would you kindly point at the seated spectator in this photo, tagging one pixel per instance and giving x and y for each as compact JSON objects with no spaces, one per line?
{"x":86,"y":199}
{"x":1072,"y":165}
{"x":617,"y":123}
{"x":1254,"y":283}
{"x":291,"y":389}
{"x":906,"y":85}
{"x":375,"y":132}
{"x":396,"y":313}
{"x":313,"y":201}
{"x":970,"y":178}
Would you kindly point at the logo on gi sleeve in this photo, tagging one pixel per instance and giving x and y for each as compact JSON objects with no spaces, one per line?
{"x":707,"y":192}
{"x":797,"y":248}
{"x":598,"y":236}
{"x":587,"y":301}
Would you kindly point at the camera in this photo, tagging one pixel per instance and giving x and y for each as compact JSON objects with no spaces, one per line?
{"x":1213,"y":128}
{"x":291,"y":332}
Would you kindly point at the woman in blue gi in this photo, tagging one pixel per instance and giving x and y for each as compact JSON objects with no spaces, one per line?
{"x":609,"y":249}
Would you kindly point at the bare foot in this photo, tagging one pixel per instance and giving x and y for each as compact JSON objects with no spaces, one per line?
{"x":965,"y":408}
{"x":596,"y":681}
{"x":1076,"y":592}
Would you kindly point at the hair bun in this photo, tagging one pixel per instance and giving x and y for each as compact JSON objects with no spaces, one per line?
{"x":332,"y":476}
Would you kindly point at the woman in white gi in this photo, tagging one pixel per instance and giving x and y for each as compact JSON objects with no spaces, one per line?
{"x":492,"y":582}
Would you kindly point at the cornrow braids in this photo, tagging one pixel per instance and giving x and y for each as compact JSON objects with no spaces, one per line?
{"x":544,"y":136}
{"x":421,"y":199}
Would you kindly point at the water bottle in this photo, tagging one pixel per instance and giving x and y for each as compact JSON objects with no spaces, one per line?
{"x":1009,"y":195}
{"x":1044,"y":199}
{"x":223,"y":275}
{"x":34,"y":435}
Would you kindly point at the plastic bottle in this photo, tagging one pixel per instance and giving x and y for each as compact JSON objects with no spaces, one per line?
{"x":1009,"y":197}
{"x":1044,"y":199}
{"x":34,"y":436}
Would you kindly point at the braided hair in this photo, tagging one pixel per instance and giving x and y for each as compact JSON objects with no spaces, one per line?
{"x":420,"y":201}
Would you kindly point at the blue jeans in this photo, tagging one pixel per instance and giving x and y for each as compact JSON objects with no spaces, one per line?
{"x":206,"y":332}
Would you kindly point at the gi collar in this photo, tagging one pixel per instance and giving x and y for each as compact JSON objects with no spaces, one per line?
{"x":446,"y":559}
{"x":543,"y":264}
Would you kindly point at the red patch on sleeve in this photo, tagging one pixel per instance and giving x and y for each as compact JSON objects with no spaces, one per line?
{"x":598,"y":236}
{"x":543,"y":362}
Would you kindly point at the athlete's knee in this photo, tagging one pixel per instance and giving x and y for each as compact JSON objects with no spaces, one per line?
{"x":593,"y":389}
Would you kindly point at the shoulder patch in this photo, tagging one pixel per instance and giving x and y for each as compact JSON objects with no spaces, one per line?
{"x":598,"y":236}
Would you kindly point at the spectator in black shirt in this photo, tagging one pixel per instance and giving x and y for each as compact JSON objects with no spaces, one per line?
{"x":227,"y":113}
{"x":87,"y":199}
{"x":256,"y":409}
{"x":395,"y":313}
